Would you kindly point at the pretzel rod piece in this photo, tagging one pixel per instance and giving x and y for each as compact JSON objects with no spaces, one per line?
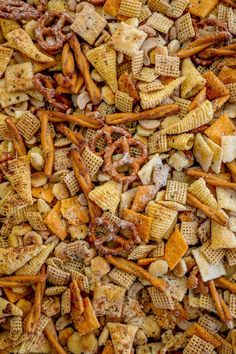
{"x":11,"y":284}
{"x":47,"y":144}
{"x":134,"y":269}
{"x":213,"y":214}
{"x":232,"y":167}
{"x":216,"y":52}
{"x":80,"y":119}
{"x":145,"y":261}
{"x":67,"y":61}
{"x":53,"y":340}
{"x":83,"y":66}
{"x":224,"y":283}
{"x":83,"y":177}
{"x":216,"y":298}
{"x":18,"y":141}
{"x":188,"y":52}
{"x":25,"y":278}
{"x":228,"y":317}
{"x":76,"y":137}
{"x":155,"y":113}
{"x":214,"y":181}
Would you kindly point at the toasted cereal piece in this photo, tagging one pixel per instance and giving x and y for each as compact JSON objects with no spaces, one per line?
{"x":4,"y":132}
{"x":131,"y":45}
{"x":21,"y":41}
{"x":153,"y":99}
{"x":137,"y":62}
{"x":8,"y":99}
{"x":111,"y":7}
{"x":221,"y":237}
{"x":232,"y":305}
{"x":177,"y":8}
{"x":88,"y":24}
{"x":159,"y":6}
{"x":8,"y":309}
{"x":196,"y":345}
{"x":181,"y":142}
{"x":5,"y":340}
{"x":16,"y":327}
{"x":66,"y":302}
{"x":28,"y":125}
{"x":123,"y":102}
{"x":185,"y":29}
{"x":71,"y":183}
{"x":200,"y":8}
{"x":36,"y":221}
{"x":210,"y":323}
{"x":112,"y":297}
{"x":5,"y":56}
{"x":167,"y":66}
{"x":226,"y":198}
{"x":143,"y":195}
{"x":101,"y":195}
{"x":232,"y":91}
{"x":8,"y":26}
{"x":92,"y":161}
{"x":57,"y":5}
{"x":176,"y":191}
{"x":161,"y":300}
{"x":152,"y":86}
{"x":232,"y":21}
{"x":217,"y":157}
{"x":159,"y":251}
{"x":62,"y":159}
{"x":122,"y":337}
{"x":207,"y":270}
{"x":206,"y":302}
{"x":214,"y":87}
{"x":121,"y":278}
{"x":144,"y":13}
{"x":183,"y":104}
{"x":201,"y":115}
{"x":231,"y":257}
{"x":34,"y":265}
{"x":55,"y":290}
{"x":202,"y":152}
{"x":55,"y":222}
{"x":222,"y":14}
{"x":57,"y":276}
{"x":164,"y":220}
{"x":35,"y":94}
{"x":146,"y":75}
{"x":221,"y":126}
{"x":103,"y":58}
{"x":228,"y":147}
{"x":143,"y":223}
{"x":199,"y":189}
{"x":19,"y":77}
{"x":13,"y":259}
{"x":124,"y":67}
{"x":81,"y":279}
{"x":130,"y":8}
{"x":193,"y":82}
{"x":158,"y":143}
{"x":159,"y":22}
{"x":17,"y":172}
{"x":189,"y":232}
{"x":213,"y":256}
{"x":141,"y":252}
{"x":176,"y":247}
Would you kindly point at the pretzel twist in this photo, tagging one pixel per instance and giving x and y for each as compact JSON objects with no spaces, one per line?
{"x":18,"y":10}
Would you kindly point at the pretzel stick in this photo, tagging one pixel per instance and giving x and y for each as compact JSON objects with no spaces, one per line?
{"x":67,"y":61}
{"x":200,"y":44}
{"x":228,"y":317}
{"x":214,"y":181}
{"x":232,"y":167}
{"x":25,"y":278}
{"x":213,"y":214}
{"x":230,"y":3}
{"x":216,"y":298}
{"x":47,"y":144}
{"x":18,"y":141}
{"x":224,"y":283}
{"x":216,"y":52}
{"x":134,"y":269}
{"x":83,"y":66}
{"x":145,"y":261}
{"x":76,"y":137}
{"x":53,"y":339}
{"x":155,"y":113}
{"x":11,"y":284}
{"x":80,"y":119}
{"x":83,"y":177}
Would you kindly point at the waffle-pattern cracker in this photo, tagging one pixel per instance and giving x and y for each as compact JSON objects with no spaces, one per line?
{"x":167,"y":65}
{"x":161,"y":300}
{"x":28,"y":125}
{"x":196,"y":345}
{"x":146,"y":74}
{"x":5,"y":56}
{"x":159,"y":6}
{"x":176,"y":191}
{"x":137,"y":62}
{"x":185,"y":29}
{"x":92,"y":161}
{"x":130,"y":8}
{"x":160,"y":22}
{"x":177,"y":8}
{"x":213,"y":255}
{"x":121,"y":278}
{"x":62,"y":159}
{"x":123,"y":102}
{"x":189,"y":232}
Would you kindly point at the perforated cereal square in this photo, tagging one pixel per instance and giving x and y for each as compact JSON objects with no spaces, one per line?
{"x":232,"y":91}
{"x":231,"y":257}
{"x":176,"y":191}
{"x":160,"y":23}
{"x":210,"y":323}
{"x":62,"y":159}
{"x":213,"y":256}
{"x":130,"y":8}
{"x":159,"y":6}
{"x":92,"y":161}
{"x":196,"y":345}
{"x":184,"y":28}
{"x":124,"y":102}
{"x":177,"y":8}
{"x":146,"y":75}
{"x":28,"y":125}
{"x":107,"y":196}
{"x":189,"y":232}
{"x":122,"y":278}
{"x":161,"y":300}
{"x":71,"y":183}
{"x":167,"y":66}
{"x":223,"y":13}
{"x":206,"y":303}
{"x":144,"y":13}
{"x":137,"y":62}
{"x":232,"y":21}
{"x":157,"y":143}
{"x":232,"y":305}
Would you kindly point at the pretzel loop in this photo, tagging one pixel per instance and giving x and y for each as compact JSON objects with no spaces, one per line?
{"x":17,"y":10}
{"x":123,"y":145}
{"x":54,"y":30}
{"x":109,"y":239}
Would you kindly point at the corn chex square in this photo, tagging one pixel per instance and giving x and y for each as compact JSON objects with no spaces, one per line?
{"x":231,"y":257}
{"x":159,"y":6}
{"x":124,"y":102}
{"x":232,"y":305}
{"x":213,"y":256}
{"x":176,"y":191}
{"x":210,"y":323}
{"x":177,"y":8}
{"x":144,"y":13}
{"x":167,"y":66}
{"x":28,"y":125}
{"x":92,"y":161}
{"x":161,"y":300}
{"x":189,"y":232}
{"x":5,"y":56}
{"x":130,"y":8}
{"x":196,"y":345}
{"x":160,"y":23}
{"x":184,"y":28}
{"x":121,"y":278}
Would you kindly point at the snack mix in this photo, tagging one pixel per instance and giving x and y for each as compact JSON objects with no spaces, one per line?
{"x":117,"y":176}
